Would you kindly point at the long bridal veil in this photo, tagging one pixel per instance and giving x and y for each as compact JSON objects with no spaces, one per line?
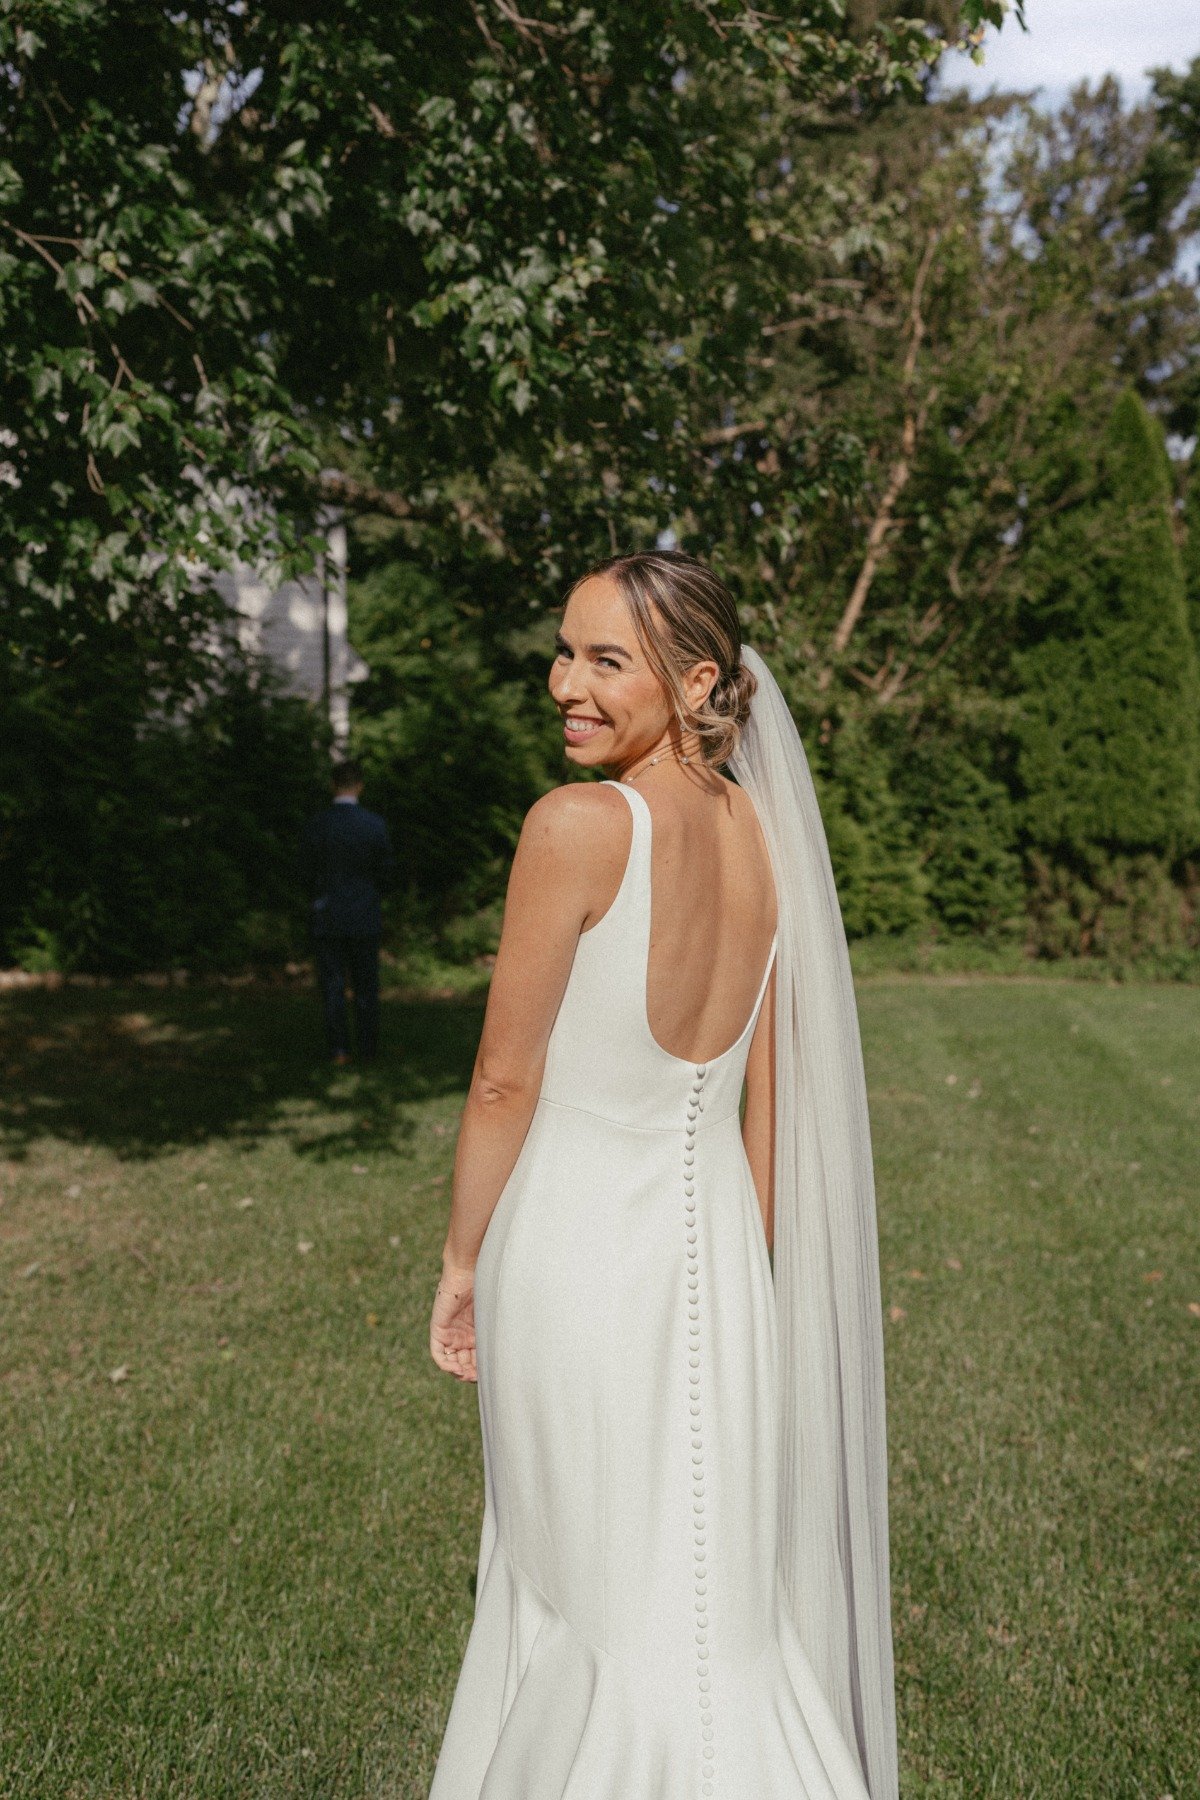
{"x":833,"y":1531}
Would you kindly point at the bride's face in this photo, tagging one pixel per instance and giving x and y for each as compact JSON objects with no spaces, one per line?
{"x":614,"y":708}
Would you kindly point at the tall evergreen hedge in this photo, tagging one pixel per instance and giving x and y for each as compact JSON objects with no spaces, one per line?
{"x":1109,"y":753}
{"x":1191,"y":549}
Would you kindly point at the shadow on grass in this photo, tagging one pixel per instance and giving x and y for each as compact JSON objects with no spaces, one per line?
{"x":141,"y":1071}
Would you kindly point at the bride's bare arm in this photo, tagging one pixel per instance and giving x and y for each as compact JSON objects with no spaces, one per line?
{"x":758,"y":1120}
{"x":567,"y":862}
{"x":567,"y":866}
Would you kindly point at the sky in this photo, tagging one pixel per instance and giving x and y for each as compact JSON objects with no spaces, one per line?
{"x":1076,"y":40}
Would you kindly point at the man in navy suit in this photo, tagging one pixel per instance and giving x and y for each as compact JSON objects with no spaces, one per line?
{"x":346,"y":856}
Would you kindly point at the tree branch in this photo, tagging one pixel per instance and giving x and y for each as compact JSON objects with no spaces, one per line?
{"x":726,"y":434}
{"x":382,"y":123}
{"x":366,"y":496}
{"x":914,"y":422}
{"x":827,"y":315}
{"x":890,"y":690}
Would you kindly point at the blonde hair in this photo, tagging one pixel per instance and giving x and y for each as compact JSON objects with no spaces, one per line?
{"x":684,"y":614}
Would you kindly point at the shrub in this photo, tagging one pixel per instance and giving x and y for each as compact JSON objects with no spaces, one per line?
{"x":133,"y":841}
{"x":1110,"y":716}
{"x":1119,"y":908}
{"x":965,"y":827}
{"x":876,"y":863}
{"x":457,"y":738}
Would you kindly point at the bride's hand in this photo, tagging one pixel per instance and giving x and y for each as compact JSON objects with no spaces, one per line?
{"x":452,"y":1327}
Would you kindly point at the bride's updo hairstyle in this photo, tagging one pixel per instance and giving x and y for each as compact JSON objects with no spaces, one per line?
{"x":684,"y":614}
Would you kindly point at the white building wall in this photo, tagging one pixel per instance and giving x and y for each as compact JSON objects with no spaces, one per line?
{"x":302,"y":628}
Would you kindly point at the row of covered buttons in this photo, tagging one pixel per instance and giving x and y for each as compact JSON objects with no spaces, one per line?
{"x":699,"y":1520}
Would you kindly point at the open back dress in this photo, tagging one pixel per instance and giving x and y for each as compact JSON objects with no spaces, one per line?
{"x":629,"y":1641}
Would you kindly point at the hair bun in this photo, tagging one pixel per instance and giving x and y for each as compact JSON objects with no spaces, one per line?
{"x":734,"y":692}
{"x":729,"y":708}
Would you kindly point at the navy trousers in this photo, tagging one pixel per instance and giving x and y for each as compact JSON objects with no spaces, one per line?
{"x":354,"y":960}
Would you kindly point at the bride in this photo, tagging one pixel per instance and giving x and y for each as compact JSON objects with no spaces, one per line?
{"x":683,"y":1573}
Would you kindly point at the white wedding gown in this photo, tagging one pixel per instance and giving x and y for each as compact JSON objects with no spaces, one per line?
{"x":629,"y":1640}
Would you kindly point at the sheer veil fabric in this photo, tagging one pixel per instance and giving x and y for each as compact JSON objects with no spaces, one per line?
{"x":832,"y":1501}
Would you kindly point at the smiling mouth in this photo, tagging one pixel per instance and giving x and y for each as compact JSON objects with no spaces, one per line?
{"x":576,"y":726}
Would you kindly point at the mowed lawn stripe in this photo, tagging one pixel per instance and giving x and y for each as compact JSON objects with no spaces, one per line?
{"x":241,"y":1509}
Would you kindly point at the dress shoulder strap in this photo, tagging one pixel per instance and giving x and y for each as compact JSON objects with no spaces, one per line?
{"x":637,"y":804}
{"x":634,"y":891}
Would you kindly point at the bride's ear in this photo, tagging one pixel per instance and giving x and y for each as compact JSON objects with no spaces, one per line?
{"x":699,"y":683}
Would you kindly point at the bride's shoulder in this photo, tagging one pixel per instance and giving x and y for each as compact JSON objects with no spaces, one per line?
{"x":579,"y":819}
{"x":572,"y":851}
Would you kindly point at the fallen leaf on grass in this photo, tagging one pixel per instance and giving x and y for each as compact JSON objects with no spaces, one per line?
{"x":303,"y":1245}
{"x":246,"y":1201}
{"x":1194,"y":1308}
{"x":915,"y":1274}
{"x":74,"y":1191}
{"x":119,"y":1374}
{"x":952,"y":1262}
{"x":1153,"y":1275}
{"x":975,"y":1089}
{"x":896,"y":1313}
{"x":394,"y":1242}
{"x":358,"y":1168}
{"x":372,"y":1320}
{"x":28,"y":1270}
{"x":951,"y":1080}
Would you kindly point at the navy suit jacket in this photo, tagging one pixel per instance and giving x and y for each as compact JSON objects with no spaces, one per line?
{"x":346,"y":857}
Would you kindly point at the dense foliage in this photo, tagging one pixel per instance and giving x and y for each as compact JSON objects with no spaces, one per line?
{"x":1109,"y":726}
{"x":136,"y":839}
{"x":1110,"y":701}
{"x":519,"y":286}
{"x":492,"y":275}
{"x":469,"y":244}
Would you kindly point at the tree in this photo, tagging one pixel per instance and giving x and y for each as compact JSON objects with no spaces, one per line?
{"x":495,"y":274}
{"x":131,"y":838}
{"x":492,"y":255}
{"x":1191,"y":549}
{"x":1110,"y":726}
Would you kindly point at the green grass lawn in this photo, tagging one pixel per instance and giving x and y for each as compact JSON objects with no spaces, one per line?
{"x":239,"y":1507}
